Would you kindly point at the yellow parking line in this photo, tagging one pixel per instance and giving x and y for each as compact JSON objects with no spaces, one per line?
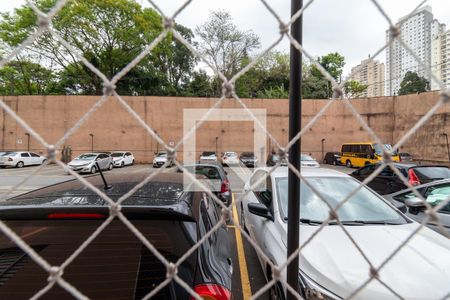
{"x":245,"y":282}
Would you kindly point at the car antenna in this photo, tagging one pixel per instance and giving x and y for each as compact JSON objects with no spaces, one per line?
{"x":106,"y":187}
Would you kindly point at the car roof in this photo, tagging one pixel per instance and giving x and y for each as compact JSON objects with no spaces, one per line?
{"x":282,"y":171}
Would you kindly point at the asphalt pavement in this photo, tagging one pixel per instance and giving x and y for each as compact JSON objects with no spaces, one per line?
{"x":248,"y":277}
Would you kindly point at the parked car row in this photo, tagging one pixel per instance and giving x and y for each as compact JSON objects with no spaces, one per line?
{"x":91,"y":162}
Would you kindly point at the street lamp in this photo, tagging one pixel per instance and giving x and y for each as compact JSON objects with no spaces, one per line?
{"x":323,"y":142}
{"x":92,"y":142}
{"x":448,"y":147}
{"x":28,"y":142}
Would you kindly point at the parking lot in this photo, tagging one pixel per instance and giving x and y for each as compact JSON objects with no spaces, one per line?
{"x":248,"y":277}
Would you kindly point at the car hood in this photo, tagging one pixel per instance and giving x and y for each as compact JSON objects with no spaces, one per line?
{"x":420,"y":270}
{"x":80,"y":162}
{"x":117,"y":158}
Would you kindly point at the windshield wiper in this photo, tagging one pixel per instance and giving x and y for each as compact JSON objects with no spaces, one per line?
{"x":361,"y":222}
{"x":307,"y":221}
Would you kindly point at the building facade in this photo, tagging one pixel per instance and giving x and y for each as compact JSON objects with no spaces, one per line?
{"x":372,"y":75}
{"x":420,"y":32}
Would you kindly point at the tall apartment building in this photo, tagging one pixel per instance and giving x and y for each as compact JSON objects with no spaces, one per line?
{"x":417,"y":31}
{"x":440,"y":59}
{"x":372,"y":75}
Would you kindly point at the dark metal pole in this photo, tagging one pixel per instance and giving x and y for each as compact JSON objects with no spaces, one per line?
{"x":295,"y":121}
{"x":323,"y":141}
{"x":448,"y":147}
{"x":217,"y":150}
{"x":92,"y":142}
{"x":28,"y":141}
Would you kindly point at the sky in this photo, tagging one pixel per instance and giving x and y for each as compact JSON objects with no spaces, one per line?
{"x":354,"y":28}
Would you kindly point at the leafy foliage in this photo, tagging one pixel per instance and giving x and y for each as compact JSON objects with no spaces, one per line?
{"x":353,"y":88}
{"x":413,"y":83}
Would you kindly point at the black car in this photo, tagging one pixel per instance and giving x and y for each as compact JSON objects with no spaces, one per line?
{"x":56,"y":220}
{"x":387,"y":182}
{"x":248,"y":159}
{"x":332,"y":158}
{"x":434,"y":193}
{"x":217,"y":178}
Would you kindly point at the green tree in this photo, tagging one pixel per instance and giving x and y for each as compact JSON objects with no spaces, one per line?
{"x":270,"y":74}
{"x":109,"y":34}
{"x":333,"y":63}
{"x":354,"y":89}
{"x":23,"y":77}
{"x":223,"y":44}
{"x":413,"y":83}
{"x":200,"y":85}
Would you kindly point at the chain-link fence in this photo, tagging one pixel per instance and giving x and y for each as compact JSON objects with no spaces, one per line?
{"x":56,"y":272}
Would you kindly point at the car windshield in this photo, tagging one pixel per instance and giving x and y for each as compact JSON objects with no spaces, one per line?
{"x":230,"y":154}
{"x":161,"y":154}
{"x":364,"y":206}
{"x":305,"y":157}
{"x":379,"y":150}
{"x":86,"y":157}
{"x":117,"y":154}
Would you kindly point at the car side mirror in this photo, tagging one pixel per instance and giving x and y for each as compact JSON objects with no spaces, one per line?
{"x":415,"y":205}
{"x":261,"y":210}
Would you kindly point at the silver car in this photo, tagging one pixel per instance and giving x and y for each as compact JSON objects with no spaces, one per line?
{"x":20,"y":159}
{"x":330,"y":266}
{"x":86,"y":163}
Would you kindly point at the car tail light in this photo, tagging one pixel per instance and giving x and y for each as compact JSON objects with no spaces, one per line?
{"x":413,"y":179}
{"x":212,"y":292}
{"x":66,"y":216}
{"x":225,"y":187}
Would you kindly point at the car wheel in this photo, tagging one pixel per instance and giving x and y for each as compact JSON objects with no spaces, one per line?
{"x":276,"y":292}
{"x":132,"y":162}
{"x":122,"y":165}
{"x":20,"y":164}
{"x":44,"y":161}
{"x":242,"y":220}
{"x":111,"y":166}
{"x":348,"y":164}
{"x":367,"y":163}
{"x":93,"y":170}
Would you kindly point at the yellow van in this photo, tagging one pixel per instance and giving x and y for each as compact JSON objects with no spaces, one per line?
{"x":361,"y":154}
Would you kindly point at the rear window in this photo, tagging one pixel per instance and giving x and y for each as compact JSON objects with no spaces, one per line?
{"x":116,"y":265}
{"x":152,"y":194}
{"x":434,"y":173}
{"x":247,"y":154}
{"x":10,"y":154}
{"x":208,"y":153}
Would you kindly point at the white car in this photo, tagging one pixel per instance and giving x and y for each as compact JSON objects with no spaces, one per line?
{"x":330,"y":266}
{"x":230,"y":158}
{"x":87,"y":162}
{"x":160,"y":159}
{"x":20,"y":159}
{"x":308,"y":161}
{"x":122,"y":158}
{"x":208,"y":156}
